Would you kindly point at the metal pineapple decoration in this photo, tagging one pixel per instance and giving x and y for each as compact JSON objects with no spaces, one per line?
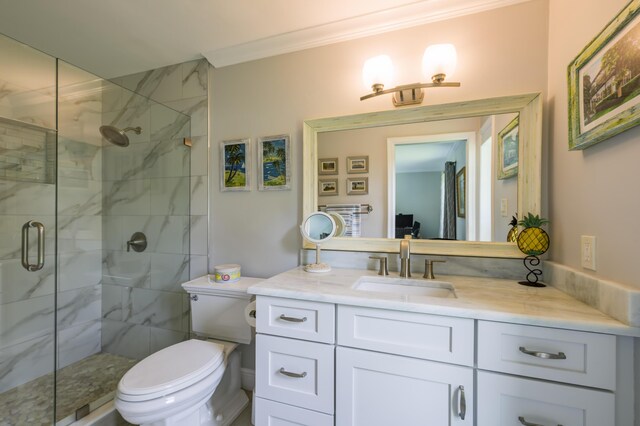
{"x":512,"y":235}
{"x":533,"y":241}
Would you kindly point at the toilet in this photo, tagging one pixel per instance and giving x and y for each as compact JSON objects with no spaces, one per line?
{"x":195,"y":382}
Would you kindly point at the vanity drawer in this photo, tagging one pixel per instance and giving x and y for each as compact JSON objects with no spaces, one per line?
{"x":276,"y":414}
{"x":298,"y":319}
{"x":582,"y":358}
{"x":295,"y":372}
{"x":506,"y":400}
{"x":437,"y":338}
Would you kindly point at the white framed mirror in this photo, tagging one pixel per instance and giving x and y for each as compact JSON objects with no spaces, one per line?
{"x":528,"y":109}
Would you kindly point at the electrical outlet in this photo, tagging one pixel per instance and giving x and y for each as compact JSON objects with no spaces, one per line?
{"x":504,"y":207}
{"x":588,"y":252}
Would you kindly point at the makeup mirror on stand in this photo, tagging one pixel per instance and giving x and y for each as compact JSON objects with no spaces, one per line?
{"x":317,"y":228}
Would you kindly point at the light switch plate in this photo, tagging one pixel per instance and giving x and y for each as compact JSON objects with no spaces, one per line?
{"x":504,"y":207}
{"x":588,"y":252}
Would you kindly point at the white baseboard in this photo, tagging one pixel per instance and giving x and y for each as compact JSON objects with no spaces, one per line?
{"x":248,"y":378}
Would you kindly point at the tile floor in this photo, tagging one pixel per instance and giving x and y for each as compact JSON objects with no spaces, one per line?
{"x":85,"y":382}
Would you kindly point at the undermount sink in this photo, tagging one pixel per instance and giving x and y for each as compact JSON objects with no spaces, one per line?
{"x":405,"y":286}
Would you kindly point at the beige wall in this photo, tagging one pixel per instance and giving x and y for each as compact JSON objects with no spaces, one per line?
{"x":500,"y":52}
{"x":591,"y":192}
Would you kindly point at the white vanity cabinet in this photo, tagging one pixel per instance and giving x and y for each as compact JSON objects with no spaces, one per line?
{"x":295,"y":362}
{"x":518,"y":356}
{"x":327,"y":364}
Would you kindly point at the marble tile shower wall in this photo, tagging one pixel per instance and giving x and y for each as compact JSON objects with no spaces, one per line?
{"x":27,"y":298}
{"x":79,"y":211}
{"x":146,"y":188}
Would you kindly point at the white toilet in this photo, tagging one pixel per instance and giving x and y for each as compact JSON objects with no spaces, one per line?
{"x":195,"y":382}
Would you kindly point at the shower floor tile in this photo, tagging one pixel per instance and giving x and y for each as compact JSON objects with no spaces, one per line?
{"x":84,"y":382}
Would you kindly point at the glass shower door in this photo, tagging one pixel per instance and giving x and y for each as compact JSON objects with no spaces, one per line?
{"x":27,"y":234}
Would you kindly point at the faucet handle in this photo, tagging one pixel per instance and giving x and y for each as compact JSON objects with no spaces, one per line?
{"x":383,"y":269}
{"x":428,"y":268}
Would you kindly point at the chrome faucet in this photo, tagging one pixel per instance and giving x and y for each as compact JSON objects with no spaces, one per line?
{"x":405,"y":259}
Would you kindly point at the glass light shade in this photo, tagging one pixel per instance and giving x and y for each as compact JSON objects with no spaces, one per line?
{"x":439,"y":59}
{"x":377,"y":70}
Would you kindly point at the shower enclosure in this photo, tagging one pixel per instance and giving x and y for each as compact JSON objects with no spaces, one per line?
{"x":94,"y":235}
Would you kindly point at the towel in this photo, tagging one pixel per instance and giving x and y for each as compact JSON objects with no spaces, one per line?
{"x":351,"y":213}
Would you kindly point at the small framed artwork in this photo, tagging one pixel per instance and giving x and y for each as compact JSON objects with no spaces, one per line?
{"x":359,"y":164}
{"x":604,"y":83}
{"x":461,"y":180}
{"x":328,"y":166}
{"x":508,"y":144}
{"x":274,"y":163}
{"x":235,"y":167}
{"x":357,"y":186}
{"x":328,"y":186}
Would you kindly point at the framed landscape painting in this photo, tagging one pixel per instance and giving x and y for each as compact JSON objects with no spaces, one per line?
{"x":357,"y":186}
{"x":358,"y":164}
{"x":274,"y":162}
{"x":235,"y":159}
{"x":604,"y":82}
{"x":461,"y":182}
{"x":328,"y":186}
{"x":328,"y":166}
{"x":508,"y":145}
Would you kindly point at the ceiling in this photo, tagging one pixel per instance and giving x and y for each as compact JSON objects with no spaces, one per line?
{"x":424,"y":157}
{"x":118,"y":37}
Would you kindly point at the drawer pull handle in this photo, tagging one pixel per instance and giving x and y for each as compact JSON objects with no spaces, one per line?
{"x":543,"y":355}
{"x":294,"y":375}
{"x":283,"y":317}
{"x":462,"y":403}
{"x":526,"y":423}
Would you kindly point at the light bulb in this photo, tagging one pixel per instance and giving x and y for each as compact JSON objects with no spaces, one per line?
{"x":377,"y":71}
{"x":439,"y":60}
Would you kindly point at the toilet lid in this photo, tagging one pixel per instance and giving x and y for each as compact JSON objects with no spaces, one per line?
{"x":172,"y":368}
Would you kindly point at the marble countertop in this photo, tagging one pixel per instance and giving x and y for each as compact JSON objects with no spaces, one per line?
{"x":491,"y":299}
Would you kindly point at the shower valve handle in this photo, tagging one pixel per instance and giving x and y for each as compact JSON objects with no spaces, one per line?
{"x":138,"y":242}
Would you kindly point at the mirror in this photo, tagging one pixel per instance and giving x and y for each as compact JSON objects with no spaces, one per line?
{"x":408,"y":183}
{"x":527,"y":109}
{"x":318,"y":228}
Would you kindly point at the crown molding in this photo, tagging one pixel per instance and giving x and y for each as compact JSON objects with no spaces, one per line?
{"x":398,"y":18}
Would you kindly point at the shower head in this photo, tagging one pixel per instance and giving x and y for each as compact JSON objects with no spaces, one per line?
{"x":116,"y":136}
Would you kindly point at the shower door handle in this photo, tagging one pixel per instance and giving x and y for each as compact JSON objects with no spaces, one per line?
{"x":25,"y":246}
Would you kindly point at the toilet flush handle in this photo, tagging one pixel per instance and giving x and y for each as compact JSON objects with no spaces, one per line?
{"x":194,"y":297}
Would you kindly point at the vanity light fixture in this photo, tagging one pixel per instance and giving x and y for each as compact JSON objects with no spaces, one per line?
{"x":438,"y":62}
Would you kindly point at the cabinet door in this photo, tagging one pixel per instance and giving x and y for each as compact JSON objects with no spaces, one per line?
{"x":510,"y":401}
{"x":270,"y":413}
{"x":380,"y":389}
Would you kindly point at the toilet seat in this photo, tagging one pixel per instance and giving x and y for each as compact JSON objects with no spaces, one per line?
{"x":170,"y":370}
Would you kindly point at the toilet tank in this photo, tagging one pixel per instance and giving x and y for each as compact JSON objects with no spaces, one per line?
{"x":217,"y":309}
